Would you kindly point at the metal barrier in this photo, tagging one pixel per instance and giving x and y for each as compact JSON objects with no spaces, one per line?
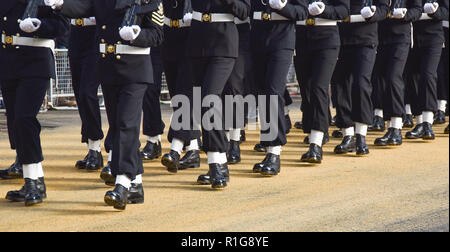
{"x":61,"y":95}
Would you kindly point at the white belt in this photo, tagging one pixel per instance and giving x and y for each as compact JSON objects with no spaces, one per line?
{"x":445,"y":24}
{"x":268,"y":16}
{"x":83,"y":22}
{"x":24,"y":41}
{"x":175,"y":23}
{"x":213,"y":17}
{"x":124,"y":49}
{"x":355,"y":19}
{"x":425,"y":17}
{"x":317,"y":22}
{"x":238,"y":21}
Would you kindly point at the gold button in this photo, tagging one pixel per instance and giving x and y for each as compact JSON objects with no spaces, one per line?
{"x":104,"y":27}
{"x":103,"y":55}
{"x":18,"y":21}
{"x":266,"y":16}
{"x":118,"y":57}
{"x":119,"y":43}
{"x":103,"y":41}
{"x":110,"y":49}
{"x":5,"y":19}
{"x":206,"y":18}
{"x":17,"y":35}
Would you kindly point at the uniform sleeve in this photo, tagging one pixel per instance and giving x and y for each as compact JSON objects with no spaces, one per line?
{"x":414,"y":10}
{"x":152,"y":32}
{"x":381,"y":12}
{"x":340,"y":10}
{"x":297,"y":10}
{"x":78,"y":8}
{"x":442,"y":11}
{"x":239,"y":8}
{"x":53,"y":25}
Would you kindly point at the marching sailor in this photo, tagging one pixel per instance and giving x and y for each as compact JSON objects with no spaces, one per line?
{"x":395,"y":44}
{"x":179,"y":76}
{"x":359,"y":38}
{"x":125,"y":32}
{"x":273,"y":44}
{"x":428,"y":41}
{"x":214,"y":46}
{"x":28,"y":64}
{"x":317,"y":51}
{"x":83,"y":57}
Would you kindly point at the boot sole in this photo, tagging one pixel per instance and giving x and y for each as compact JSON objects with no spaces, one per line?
{"x":112,"y":202}
{"x":193,"y":166}
{"x":171,"y":167}
{"x":311,"y":161}
{"x":108,"y":179}
{"x":33,"y":202}
{"x":199,"y":182}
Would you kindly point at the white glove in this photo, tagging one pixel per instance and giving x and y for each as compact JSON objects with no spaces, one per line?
{"x":187,"y":19}
{"x":399,"y":13}
{"x":316,"y":8}
{"x":30,"y":25}
{"x":368,"y":12}
{"x":277,"y":4}
{"x":431,"y":8}
{"x":54,"y":3}
{"x":130,"y":33}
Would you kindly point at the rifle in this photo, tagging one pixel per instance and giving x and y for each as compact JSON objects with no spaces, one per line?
{"x":397,"y":4}
{"x":367,"y":3}
{"x":131,"y":13}
{"x":31,"y":11}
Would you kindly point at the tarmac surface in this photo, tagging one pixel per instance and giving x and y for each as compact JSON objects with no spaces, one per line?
{"x":394,"y":189}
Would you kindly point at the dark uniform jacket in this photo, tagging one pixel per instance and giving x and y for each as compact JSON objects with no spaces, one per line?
{"x":127,"y":68}
{"x":175,"y":38}
{"x":269,"y":36}
{"x":393,"y":31}
{"x":23,"y":61}
{"x":83,"y":41}
{"x":365,"y":33}
{"x":430,"y":32}
{"x":216,"y":39}
{"x":324,"y":37}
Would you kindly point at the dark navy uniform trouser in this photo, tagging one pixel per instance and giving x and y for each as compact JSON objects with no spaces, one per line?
{"x":270,"y":72}
{"x":23,"y":100}
{"x":153,"y":124}
{"x":423,"y":70}
{"x":212,"y":74}
{"x":85,"y":86}
{"x":315,"y":71}
{"x":390,"y":67}
{"x":443,"y":76}
{"x":124,"y":109}
{"x":179,"y":78}
{"x":353,"y":85}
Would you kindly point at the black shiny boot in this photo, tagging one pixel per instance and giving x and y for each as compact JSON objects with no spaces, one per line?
{"x":288,"y":124}
{"x":439,"y":117}
{"x":206,"y":179}
{"x":337,"y":134}
{"x":396,"y":138}
{"x":171,"y":161}
{"x":190,"y":160}
{"x":348,"y":145}
{"x":117,"y":198}
{"x":271,"y":166}
{"x":107,"y":176}
{"x":298,"y":125}
{"x":15,"y":171}
{"x":428,"y":133}
{"x":408,"y":122}
{"x":136,"y":194}
{"x":81,"y":164}
{"x":378,"y":124}
{"x":383,"y":141}
{"x":94,"y":161}
{"x":314,"y":155}
{"x":361,"y":145}
{"x":417,"y":133}
{"x":151,"y":151}
{"x":259,"y":148}
{"x":234,"y":153}
{"x":218,"y":173}
{"x":19,"y":196}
